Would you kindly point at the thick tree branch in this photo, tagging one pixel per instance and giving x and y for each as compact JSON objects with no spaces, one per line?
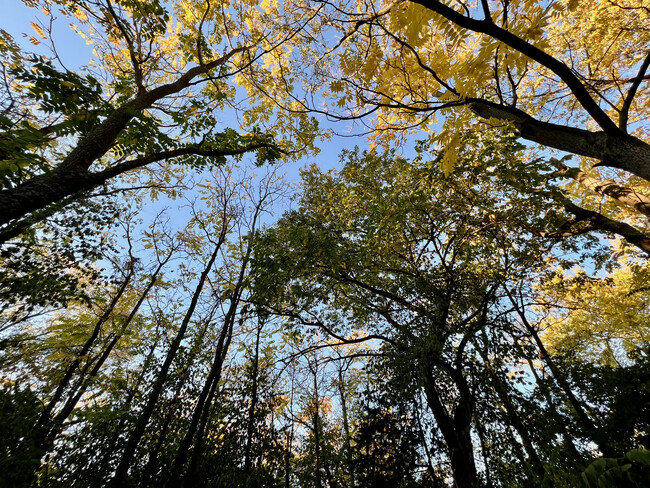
{"x":193,"y":150}
{"x":596,"y":221}
{"x":609,"y":188}
{"x":560,"y":69}
{"x":44,"y":190}
{"x":617,"y":150}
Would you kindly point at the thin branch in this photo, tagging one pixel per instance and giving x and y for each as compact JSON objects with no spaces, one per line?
{"x":627,"y":103}
{"x":609,"y":188}
{"x":556,"y":66}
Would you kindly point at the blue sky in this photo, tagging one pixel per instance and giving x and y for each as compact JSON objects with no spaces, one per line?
{"x":16,"y":18}
{"x":74,"y":52}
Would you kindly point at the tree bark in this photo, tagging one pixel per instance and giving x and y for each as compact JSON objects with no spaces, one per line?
{"x":81,"y":355}
{"x":315,"y":418}
{"x":250,"y":423}
{"x":73,"y":174}
{"x":456,"y":433}
{"x":157,"y":388}
{"x":346,"y":428}
{"x":615,"y":149}
{"x":597,"y":221}
{"x":564,"y":72}
{"x":201,"y":411}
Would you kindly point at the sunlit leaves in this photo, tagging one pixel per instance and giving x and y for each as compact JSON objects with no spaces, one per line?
{"x":615,"y":322}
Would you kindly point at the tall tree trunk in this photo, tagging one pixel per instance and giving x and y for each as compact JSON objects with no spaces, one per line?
{"x":48,"y":427}
{"x":112,"y":444}
{"x":289,"y":445}
{"x":157,"y":388}
{"x":513,"y":417}
{"x":581,"y":414}
{"x":152,"y":463}
{"x":315,"y":418}
{"x":250,"y":424}
{"x":201,"y":410}
{"x":456,"y":433}
{"x":346,"y":428}
{"x":84,"y":377}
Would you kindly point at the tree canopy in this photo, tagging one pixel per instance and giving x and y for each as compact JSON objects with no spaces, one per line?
{"x":462,"y":301}
{"x":157,"y":91}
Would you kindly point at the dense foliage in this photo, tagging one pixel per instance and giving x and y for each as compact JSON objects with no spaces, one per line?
{"x":463,"y":302}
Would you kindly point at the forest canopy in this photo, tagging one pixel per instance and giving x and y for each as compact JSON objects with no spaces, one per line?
{"x":462,"y":301}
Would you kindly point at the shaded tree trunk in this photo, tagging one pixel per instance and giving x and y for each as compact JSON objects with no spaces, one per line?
{"x":582,"y":416}
{"x":346,"y":428}
{"x":157,"y":388}
{"x":250,"y":424}
{"x":455,"y":430}
{"x":201,"y":411}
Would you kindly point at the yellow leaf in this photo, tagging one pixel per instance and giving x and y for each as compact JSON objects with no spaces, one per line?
{"x":450,"y":157}
{"x":38,"y":30}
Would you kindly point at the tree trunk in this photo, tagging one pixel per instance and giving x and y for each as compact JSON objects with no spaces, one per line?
{"x":346,"y":429}
{"x":81,"y":355}
{"x":581,"y":414}
{"x":157,"y":388}
{"x":250,"y":424}
{"x":456,"y":433}
{"x":202,"y":408}
{"x":201,"y":411}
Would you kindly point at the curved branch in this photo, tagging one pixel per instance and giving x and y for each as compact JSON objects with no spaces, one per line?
{"x":101,"y":139}
{"x":72,"y":174}
{"x":518,"y":44}
{"x":618,"y":150}
{"x":609,"y":188}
